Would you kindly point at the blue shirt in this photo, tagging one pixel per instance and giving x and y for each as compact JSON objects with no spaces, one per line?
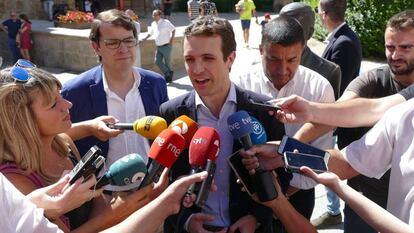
{"x":218,"y":202}
{"x":12,"y":27}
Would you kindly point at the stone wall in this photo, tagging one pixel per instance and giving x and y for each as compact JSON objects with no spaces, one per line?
{"x":71,"y":50}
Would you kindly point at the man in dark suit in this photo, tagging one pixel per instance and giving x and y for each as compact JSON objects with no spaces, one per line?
{"x":306,"y":17}
{"x":344,"y":49}
{"x":115,"y":87}
{"x":209,"y":52}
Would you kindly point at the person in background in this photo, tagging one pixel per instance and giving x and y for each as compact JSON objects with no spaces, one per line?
{"x":167,"y":6}
{"x":306,"y":17}
{"x":207,"y":7}
{"x":163,"y":31}
{"x":246,"y":8}
{"x":265,"y":20}
{"x":193,"y":9}
{"x":25,"y":37}
{"x":48,"y":9}
{"x":135,"y":18}
{"x":344,"y":49}
{"x":280,"y":74}
{"x":87,"y":6}
{"x":12,"y":26}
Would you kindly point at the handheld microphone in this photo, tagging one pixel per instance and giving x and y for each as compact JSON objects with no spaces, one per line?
{"x":164,"y":151}
{"x":184,"y":126}
{"x":148,"y":126}
{"x":203,"y":152}
{"x":241,"y":125}
{"x":126,"y":170}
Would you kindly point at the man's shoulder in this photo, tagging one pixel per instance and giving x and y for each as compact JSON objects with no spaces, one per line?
{"x":83,"y":79}
{"x":309,"y":75}
{"x":177,"y":101}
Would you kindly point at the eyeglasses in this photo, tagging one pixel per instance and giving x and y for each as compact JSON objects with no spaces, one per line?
{"x":19,"y":73}
{"x":115,"y":43}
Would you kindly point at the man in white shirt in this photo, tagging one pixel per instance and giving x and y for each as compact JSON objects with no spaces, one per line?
{"x":280,"y":75}
{"x":115,"y":87}
{"x":163,"y":31}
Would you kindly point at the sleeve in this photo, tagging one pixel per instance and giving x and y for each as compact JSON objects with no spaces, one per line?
{"x":408,"y":92}
{"x":363,"y":85}
{"x":363,"y":154}
{"x":253,"y":6}
{"x":19,"y":214}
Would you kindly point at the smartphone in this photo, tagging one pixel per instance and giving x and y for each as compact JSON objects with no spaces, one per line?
{"x":235,"y":162}
{"x":263,"y":106}
{"x":90,"y":163}
{"x":290,"y":144}
{"x":293,"y":161}
{"x":212,"y":228}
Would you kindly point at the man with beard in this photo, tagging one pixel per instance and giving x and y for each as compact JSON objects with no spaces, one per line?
{"x":380,"y":82}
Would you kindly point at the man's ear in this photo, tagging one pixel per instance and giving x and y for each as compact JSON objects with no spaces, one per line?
{"x":96,"y":47}
{"x":230,"y":59}
{"x":261,"y":49}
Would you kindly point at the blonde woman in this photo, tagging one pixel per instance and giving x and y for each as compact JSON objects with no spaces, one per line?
{"x":34,"y":152}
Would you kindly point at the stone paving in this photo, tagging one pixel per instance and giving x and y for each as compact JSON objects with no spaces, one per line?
{"x":244,"y":59}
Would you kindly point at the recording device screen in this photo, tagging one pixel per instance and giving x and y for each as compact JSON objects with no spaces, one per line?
{"x":293,"y":161}
{"x":290,"y":144}
{"x":263,"y":106}
{"x":235,"y":162}
{"x":90,"y":163}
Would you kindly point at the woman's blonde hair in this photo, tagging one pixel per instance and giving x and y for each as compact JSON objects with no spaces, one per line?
{"x":20,"y":140}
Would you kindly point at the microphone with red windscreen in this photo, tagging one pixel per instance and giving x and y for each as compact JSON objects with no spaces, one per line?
{"x":184,"y":126}
{"x":203,"y":152}
{"x":164,"y":151}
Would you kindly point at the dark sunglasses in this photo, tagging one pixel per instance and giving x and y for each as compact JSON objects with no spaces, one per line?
{"x":19,"y":73}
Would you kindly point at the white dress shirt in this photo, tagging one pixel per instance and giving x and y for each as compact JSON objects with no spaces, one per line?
{"x":305,"y":83}
{"x":128,"y":110}
{"x":161,"y":31}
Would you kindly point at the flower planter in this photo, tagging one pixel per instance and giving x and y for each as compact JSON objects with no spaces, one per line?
{"x":83,"y":25}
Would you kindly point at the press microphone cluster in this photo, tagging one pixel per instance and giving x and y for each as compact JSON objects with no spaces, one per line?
{"x":241,"y":126}
{"x":148,"y":127}
{"x":203,"y":152}
{"x":125,"y":171}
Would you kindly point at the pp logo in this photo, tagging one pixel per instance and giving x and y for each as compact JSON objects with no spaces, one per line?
{"x":257,"y":128}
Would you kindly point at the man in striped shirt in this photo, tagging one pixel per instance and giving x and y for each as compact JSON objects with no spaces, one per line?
{"x":193,"y":9}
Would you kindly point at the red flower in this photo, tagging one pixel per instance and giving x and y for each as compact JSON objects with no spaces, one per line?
{"x":76,"y":17}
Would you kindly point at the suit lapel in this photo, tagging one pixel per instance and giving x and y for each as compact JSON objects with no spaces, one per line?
{"x":98,"y":95}
{"x":145,"y":91}
{"x":188,"y":108}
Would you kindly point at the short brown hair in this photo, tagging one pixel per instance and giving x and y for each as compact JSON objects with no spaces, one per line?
{"x":402,"y":21}
{"x":114,"y":17}
{"x":212,"y":26}
{"x":335,"y":9}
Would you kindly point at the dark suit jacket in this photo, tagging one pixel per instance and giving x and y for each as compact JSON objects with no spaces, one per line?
{"x":345,"y":50}
{"x":240,"y":203}
{"x":89,"y":99}
{"x":327,"y":69}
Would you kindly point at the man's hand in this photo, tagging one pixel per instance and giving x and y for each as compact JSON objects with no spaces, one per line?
{"x":196,"y":222}
{"x":294,"y":109}
{"x":264,"y":155}
{"x":245,"y":224}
